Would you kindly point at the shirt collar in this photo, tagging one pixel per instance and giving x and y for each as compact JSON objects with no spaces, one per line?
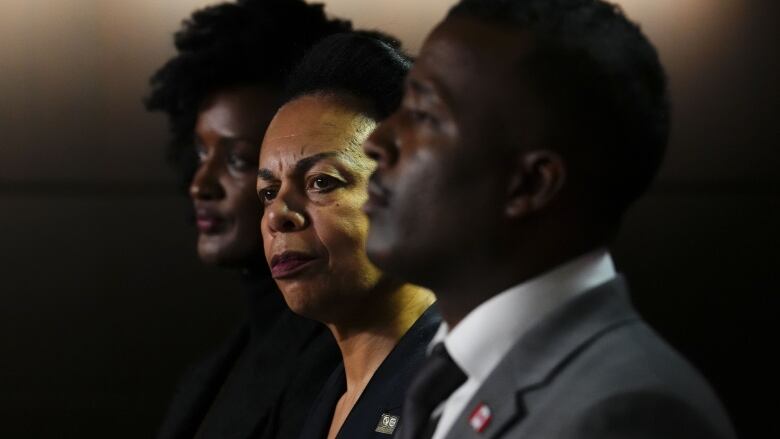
{"x":488,"y":332}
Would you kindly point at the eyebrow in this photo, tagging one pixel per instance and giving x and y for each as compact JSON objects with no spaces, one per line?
{"x":429,"y":89}
{"x":301,"y":166}
{"x":419,"y":87}
{"x":265,"y":174}
{"x":226,"y":139}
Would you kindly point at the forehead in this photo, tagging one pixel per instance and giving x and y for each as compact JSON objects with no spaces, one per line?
{"x":314,"y":124}
{"x":237,"y":109}
{"x":472,"y":61}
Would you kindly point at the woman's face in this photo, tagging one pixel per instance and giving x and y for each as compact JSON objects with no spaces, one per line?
{"x":228,"y":132}
{"x":312,"y":182}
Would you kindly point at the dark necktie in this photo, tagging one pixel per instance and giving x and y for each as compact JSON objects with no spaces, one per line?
{"x":435,"y":381}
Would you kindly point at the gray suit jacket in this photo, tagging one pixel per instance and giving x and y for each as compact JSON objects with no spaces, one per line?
{"x":594,"y":369}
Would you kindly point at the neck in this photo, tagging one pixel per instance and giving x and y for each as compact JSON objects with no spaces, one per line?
{"x":265,"y":303}
{"x":367,"y":341}
{"x":479,"y":281}
{"x":458,"y":299}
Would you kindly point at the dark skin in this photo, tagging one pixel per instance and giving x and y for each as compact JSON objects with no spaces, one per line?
{"x":228,"y":132}
{"x":468,"y":199}
{"x":312,"y":182}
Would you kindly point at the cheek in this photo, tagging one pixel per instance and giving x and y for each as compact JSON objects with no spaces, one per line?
{"x":244,"y":203}
{"x":421,"y":190}
{"x":343,"y":228}
{"x":265,"y":236}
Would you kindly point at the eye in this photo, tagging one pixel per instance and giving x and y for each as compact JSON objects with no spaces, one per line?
{"x":237,"y":162}
{"x":421,"y":117}
{"x":267,"y":194}
{"x":324,"y":183}
{"x":201,"y":152}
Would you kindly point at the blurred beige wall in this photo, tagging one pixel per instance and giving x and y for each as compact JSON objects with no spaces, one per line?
{"x":410,"y":20}
{"x":74,"y":73}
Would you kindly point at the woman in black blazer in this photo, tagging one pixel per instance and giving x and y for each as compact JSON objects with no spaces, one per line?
{"x":220,"y":91}
{"x":312,"y":180}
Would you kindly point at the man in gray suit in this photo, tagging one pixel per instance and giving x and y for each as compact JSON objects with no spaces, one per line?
{"x":527,"y":128}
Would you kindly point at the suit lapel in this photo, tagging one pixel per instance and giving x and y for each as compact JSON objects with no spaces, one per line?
{"x":535,"y":359}
{"x":385,"y":392}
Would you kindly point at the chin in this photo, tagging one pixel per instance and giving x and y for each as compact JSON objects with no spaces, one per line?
{"x":225,"y":255}
{"x":383,"y":257}
{"x":378,"y":249}
{"x":395,"y":263}
{"x":298,"y":301}
{"x":307,"y":300}
{"x":208,"y":254}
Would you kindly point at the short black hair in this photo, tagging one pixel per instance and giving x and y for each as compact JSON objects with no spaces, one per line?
{"x":250,"y":42}
{"x":368,"y":65}
{"x":602,"y":81}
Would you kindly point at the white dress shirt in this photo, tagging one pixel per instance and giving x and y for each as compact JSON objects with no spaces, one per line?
{"x":479,"y":342}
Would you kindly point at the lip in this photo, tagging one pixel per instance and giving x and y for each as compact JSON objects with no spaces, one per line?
{"x":208,"y":221}
{"x":378,"y":196}
{"x":289,"y":264}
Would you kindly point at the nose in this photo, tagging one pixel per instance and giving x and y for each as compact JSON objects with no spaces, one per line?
{"x":381,"y":145}
{"x":205,"y":183}
{"x":283,"y":217}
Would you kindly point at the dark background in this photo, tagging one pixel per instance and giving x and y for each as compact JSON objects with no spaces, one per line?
{"x":104,"y":302}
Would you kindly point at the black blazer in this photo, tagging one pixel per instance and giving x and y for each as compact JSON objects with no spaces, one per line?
{"x":377,"y":412}
{"x":261,"y":382}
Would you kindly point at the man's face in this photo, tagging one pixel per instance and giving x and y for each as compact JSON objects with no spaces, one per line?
{"x":437,"y":197}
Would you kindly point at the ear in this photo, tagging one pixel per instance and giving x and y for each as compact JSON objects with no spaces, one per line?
{"x":537,"y":178}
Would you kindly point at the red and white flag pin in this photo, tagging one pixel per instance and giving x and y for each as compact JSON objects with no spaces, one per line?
{"x":480,"y":417}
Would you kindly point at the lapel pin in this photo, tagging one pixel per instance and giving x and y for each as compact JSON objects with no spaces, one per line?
{"x":387,"y":424}
{"x":480,"y":417}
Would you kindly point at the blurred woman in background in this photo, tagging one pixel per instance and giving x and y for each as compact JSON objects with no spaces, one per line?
{"x":220,"y":91}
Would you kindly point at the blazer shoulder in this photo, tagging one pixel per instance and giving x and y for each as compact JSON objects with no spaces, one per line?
{"x":643,"y":414}
{"x":630,"y":378}
{"x":590,"y":364}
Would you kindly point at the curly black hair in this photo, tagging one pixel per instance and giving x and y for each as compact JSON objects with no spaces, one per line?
{"x":602,"y":80}
{"x":368,"y":65}
{"x":231,"y":44}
